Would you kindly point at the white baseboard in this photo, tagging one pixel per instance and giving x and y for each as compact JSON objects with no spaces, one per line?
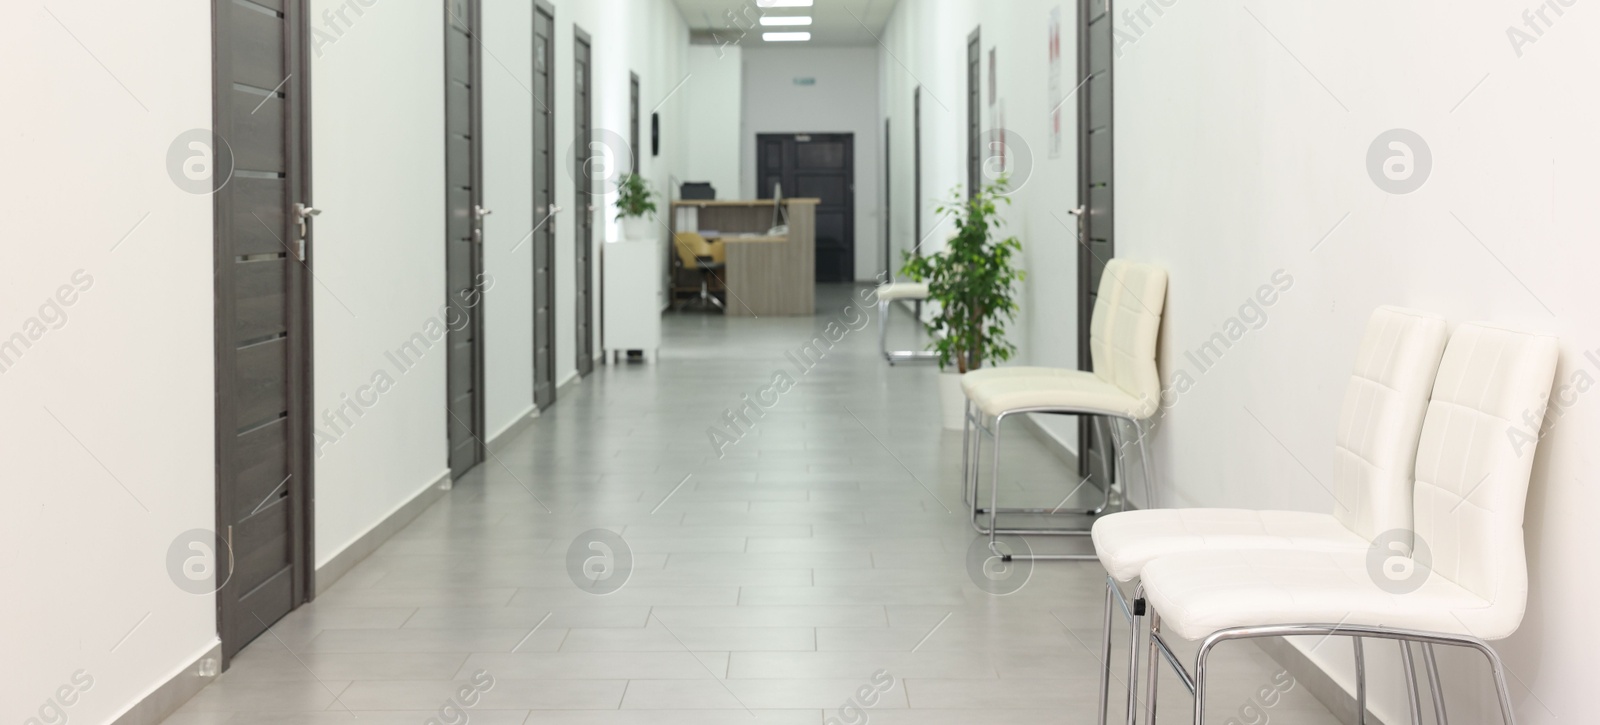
{"x":1063,"y":450}
{"x":168,"y":696}
{"x":500,"y":438}
{"x":1315,"y":679}
{"x":342,"y":562}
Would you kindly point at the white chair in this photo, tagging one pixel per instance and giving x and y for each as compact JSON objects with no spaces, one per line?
{"x":1375,"y":448}
{"x":1124,"y":387}
{"x":889,"y":293}
{"x":1470,"y":491}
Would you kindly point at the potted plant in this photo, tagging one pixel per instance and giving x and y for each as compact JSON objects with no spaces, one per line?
{"x":972,"y":281}
{"x":636,"y":204}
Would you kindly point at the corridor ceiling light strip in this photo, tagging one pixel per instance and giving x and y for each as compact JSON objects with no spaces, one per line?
{"x":783,"y":3}
{"x":786,"y":20}
{"x":785,"y":36}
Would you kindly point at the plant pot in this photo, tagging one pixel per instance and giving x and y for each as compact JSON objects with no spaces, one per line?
{"x":638,"y":227}
{"x":952,"y":402}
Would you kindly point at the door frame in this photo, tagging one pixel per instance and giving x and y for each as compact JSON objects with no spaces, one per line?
{"x":301,"y":486}
{"x":916,"y":177}
{"x":888,"y":203}
{"x":548,"y":107}
{"x":584,"y":248}
{"x":974,"y":69}
{"x":1086,"y":283}
{"x":476,"y":313}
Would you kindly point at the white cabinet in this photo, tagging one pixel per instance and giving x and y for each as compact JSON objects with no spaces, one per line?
{"x":633,"y":296}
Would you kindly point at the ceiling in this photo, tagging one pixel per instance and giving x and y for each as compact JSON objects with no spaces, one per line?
{"x":834,"y":22}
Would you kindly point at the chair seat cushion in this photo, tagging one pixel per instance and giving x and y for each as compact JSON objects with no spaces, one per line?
{"x":903,"y":291}
{"x":1014,"y":372}
{"x":1066,"y":390}
{"x":1200,"y":592}
{"x":1127,"y":541}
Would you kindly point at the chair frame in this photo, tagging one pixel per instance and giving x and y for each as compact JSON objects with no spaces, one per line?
{"x":972,"y":454}
{"x":1195,"y":683}
{"x":893,"y":356}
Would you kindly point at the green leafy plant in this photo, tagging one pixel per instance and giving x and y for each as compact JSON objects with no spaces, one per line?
{"x":634,"y":197}
{"x":972,"y":280}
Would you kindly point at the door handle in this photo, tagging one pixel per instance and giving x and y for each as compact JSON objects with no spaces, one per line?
{"x":480,"y":212}
{"x":302,"y":214}
{"x":1082,"y":213}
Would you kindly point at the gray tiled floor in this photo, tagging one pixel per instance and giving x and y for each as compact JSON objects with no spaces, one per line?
{"x":767,"y":589}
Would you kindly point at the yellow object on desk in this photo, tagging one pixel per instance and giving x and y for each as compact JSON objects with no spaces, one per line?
{"x":692,"y":248}
{"x":766,"y":274}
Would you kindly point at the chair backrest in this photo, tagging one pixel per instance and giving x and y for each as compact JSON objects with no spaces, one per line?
{"x":1122,"y":333}
{"x":1380,"y":422}
{"x":1473,"y":466}
{"x":691,"y":247}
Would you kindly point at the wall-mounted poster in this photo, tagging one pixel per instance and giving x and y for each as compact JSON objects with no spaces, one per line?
{"x":1054,"y":41}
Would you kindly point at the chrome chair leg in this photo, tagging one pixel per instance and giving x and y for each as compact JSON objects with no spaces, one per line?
{"x":1152,"y":667}
{"x":883,"y":330}
{"x":1133,"y":650}
{"x":1105,"y":653}
{"x":966,"y":445}
{"x":1499,"y":670}
{"x":1144,"y":466}
{"x":1413,"y":698}
{"x":994,"y":487}
{"x":1435,"y":686}
{"x":1361,"y":680}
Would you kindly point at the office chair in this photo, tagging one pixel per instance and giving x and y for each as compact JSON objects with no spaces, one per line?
{"x":695,"y":253}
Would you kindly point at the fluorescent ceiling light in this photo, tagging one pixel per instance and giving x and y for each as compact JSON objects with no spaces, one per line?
{"x":786,"y":20}
{"x":783,"y":3}
{"x":785,"y":36}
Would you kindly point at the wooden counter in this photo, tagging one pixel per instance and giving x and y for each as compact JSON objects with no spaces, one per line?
{"x":765,"y":275}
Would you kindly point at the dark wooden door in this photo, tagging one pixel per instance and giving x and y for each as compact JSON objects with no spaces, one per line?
{"x":544,"y":206}
{"x":816,"y":166}
{"x":589,"y":163}
{"x":464,"y":233}
{"x":916,"y":176}
{"x":1097,"y":242}
{"x":633,"y":121}
{"x":263,"y":318}
{"x":974,"y":114}
{"x":888,"y":204}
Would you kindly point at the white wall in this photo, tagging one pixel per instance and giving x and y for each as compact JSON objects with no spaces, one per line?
{"x":712,"y":118}
{"x":1234,"y":159}
{"x":927,"y":46}
{"x":378,"y":174}
{"x":508,"y":112}
{"x":843,"y":100}
{"x":117,"y":392}
{"x":647,"y":37}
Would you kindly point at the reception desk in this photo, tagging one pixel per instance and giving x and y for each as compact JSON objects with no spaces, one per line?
{"x":765,"y":275}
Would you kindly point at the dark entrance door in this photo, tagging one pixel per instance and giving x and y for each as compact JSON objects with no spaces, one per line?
{"x":1097,"y":242}
{"x":816,"y":166}
{"x":464,"y":232}
{"x":263,"y":318}
{"x":544,"y":207}
{"x":974,"y":114}
{"x":588,"y":162}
